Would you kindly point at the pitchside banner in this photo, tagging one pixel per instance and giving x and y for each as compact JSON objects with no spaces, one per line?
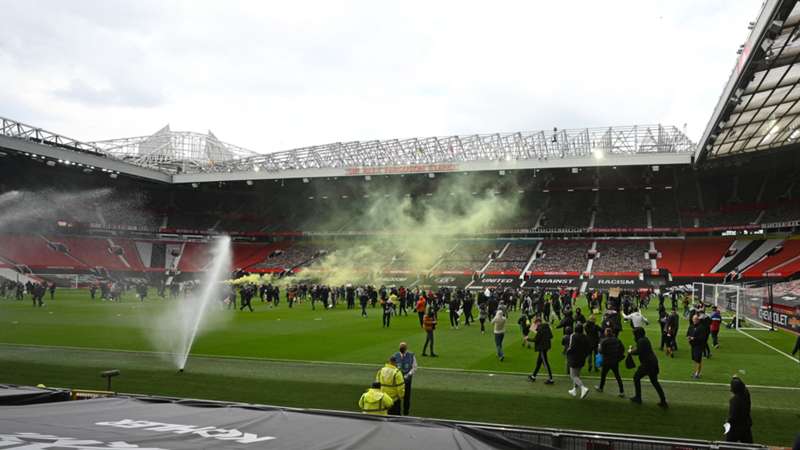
{"x":446,"y":280}
{"x":785,"y":306}
{"x":553,"y":281}
{"x":496,"y":281}
{"x":622,"y":282}
{"x":127,"y":423}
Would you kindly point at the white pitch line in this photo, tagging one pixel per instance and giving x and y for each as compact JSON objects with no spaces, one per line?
{"x":764,"y":343}
{"x":354,"y":364}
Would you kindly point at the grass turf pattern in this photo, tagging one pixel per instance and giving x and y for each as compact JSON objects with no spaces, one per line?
{"x":336,"y":353}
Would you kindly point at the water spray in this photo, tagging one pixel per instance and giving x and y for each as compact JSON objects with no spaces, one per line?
{"x":175,"y":330}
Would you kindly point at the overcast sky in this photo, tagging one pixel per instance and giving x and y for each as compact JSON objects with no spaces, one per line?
{"x":276,"y":75}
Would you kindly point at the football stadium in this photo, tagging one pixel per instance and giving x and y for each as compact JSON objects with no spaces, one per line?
{"x":621,"y":287}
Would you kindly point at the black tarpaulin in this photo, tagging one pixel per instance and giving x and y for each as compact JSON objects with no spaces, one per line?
{"x":27,"y":395}
{"x":137,"y":423}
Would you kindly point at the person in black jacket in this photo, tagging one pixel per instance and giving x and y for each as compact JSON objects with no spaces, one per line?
{"x":577,"y":350}
{"x":567,"y":322}
{"x":673,"y":324}
{"x":697,"y":340}
{"x":613,"y":320}
{"x":648,"y":366}
{"x":593,"y":335}
{"x":565,"y":344}
{"x":739,"y":414}
{"x":612,"y":350}
{"x":541,"y":343}
{"x":662,"y":323}
{"x":579,"y":317}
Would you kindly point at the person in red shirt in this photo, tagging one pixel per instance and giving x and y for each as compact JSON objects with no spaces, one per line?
{"x":716,"y":321}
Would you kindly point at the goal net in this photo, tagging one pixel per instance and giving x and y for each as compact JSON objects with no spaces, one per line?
{"x":746,"y":308}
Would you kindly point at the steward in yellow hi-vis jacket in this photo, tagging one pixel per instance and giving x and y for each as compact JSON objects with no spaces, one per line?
{"x":375,"y":401}
{"x":392,"y":384}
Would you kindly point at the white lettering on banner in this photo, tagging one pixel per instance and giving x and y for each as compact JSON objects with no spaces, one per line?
{"x":553,"y":280}
{"x":220,"y":434}
{"x":630,"y":282}
{"x":777,"y":318}
{"x":394,"y":280}
{"x":445,"y":280}
{"x":497,"y":280}
{"x":36,"y":441}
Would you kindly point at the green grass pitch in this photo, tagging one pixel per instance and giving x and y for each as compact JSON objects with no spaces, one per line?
{"x":326,"y":358}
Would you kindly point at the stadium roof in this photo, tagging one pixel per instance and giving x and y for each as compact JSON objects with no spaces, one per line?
{"x":174,"y":151}
{"x":185,"y":157}
{"x":759,"y":108}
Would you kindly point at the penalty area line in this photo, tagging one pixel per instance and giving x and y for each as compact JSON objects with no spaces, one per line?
{"x":355,"y":364}
{"x":769,"y":346}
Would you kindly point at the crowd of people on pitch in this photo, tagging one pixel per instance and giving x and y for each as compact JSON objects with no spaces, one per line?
{"x":108,"y":290}
{"x":592,"y":333}
{"x":37,"y":290}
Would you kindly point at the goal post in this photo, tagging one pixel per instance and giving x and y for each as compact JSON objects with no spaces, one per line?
{"x":745,"y":307}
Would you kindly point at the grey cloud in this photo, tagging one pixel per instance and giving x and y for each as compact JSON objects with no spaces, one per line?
{"x":120,"y":95}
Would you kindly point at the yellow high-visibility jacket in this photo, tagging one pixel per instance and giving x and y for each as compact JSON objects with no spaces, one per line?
{"x":374,"y":401}
{"x":392,"y":381}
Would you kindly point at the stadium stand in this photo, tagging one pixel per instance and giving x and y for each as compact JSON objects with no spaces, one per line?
{"x":566,"y":256}
{"x":618,"y":209}
{"x":568,"y":210}
{"x":781,"y":262}
{"x":691,"y":256}
{"x":34,"y":252}
{"x":249,"y":255}
{"x":620,"y":256}
{"x":93,"y":252}
{"x":663,"y":208}
{"x":469,"y":256}
{"x":514,"y":258}
{"x":258,"y":257}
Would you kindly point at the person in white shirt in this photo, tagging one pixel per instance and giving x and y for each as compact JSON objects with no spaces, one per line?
{"x":636,"y":318}
{"x":499,"y":322}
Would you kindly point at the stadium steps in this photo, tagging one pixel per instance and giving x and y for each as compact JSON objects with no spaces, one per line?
{"x":590,"y":262}
{"x":654,"y":261}
{"x":503,"y":251}
{"x":531,"y":260}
